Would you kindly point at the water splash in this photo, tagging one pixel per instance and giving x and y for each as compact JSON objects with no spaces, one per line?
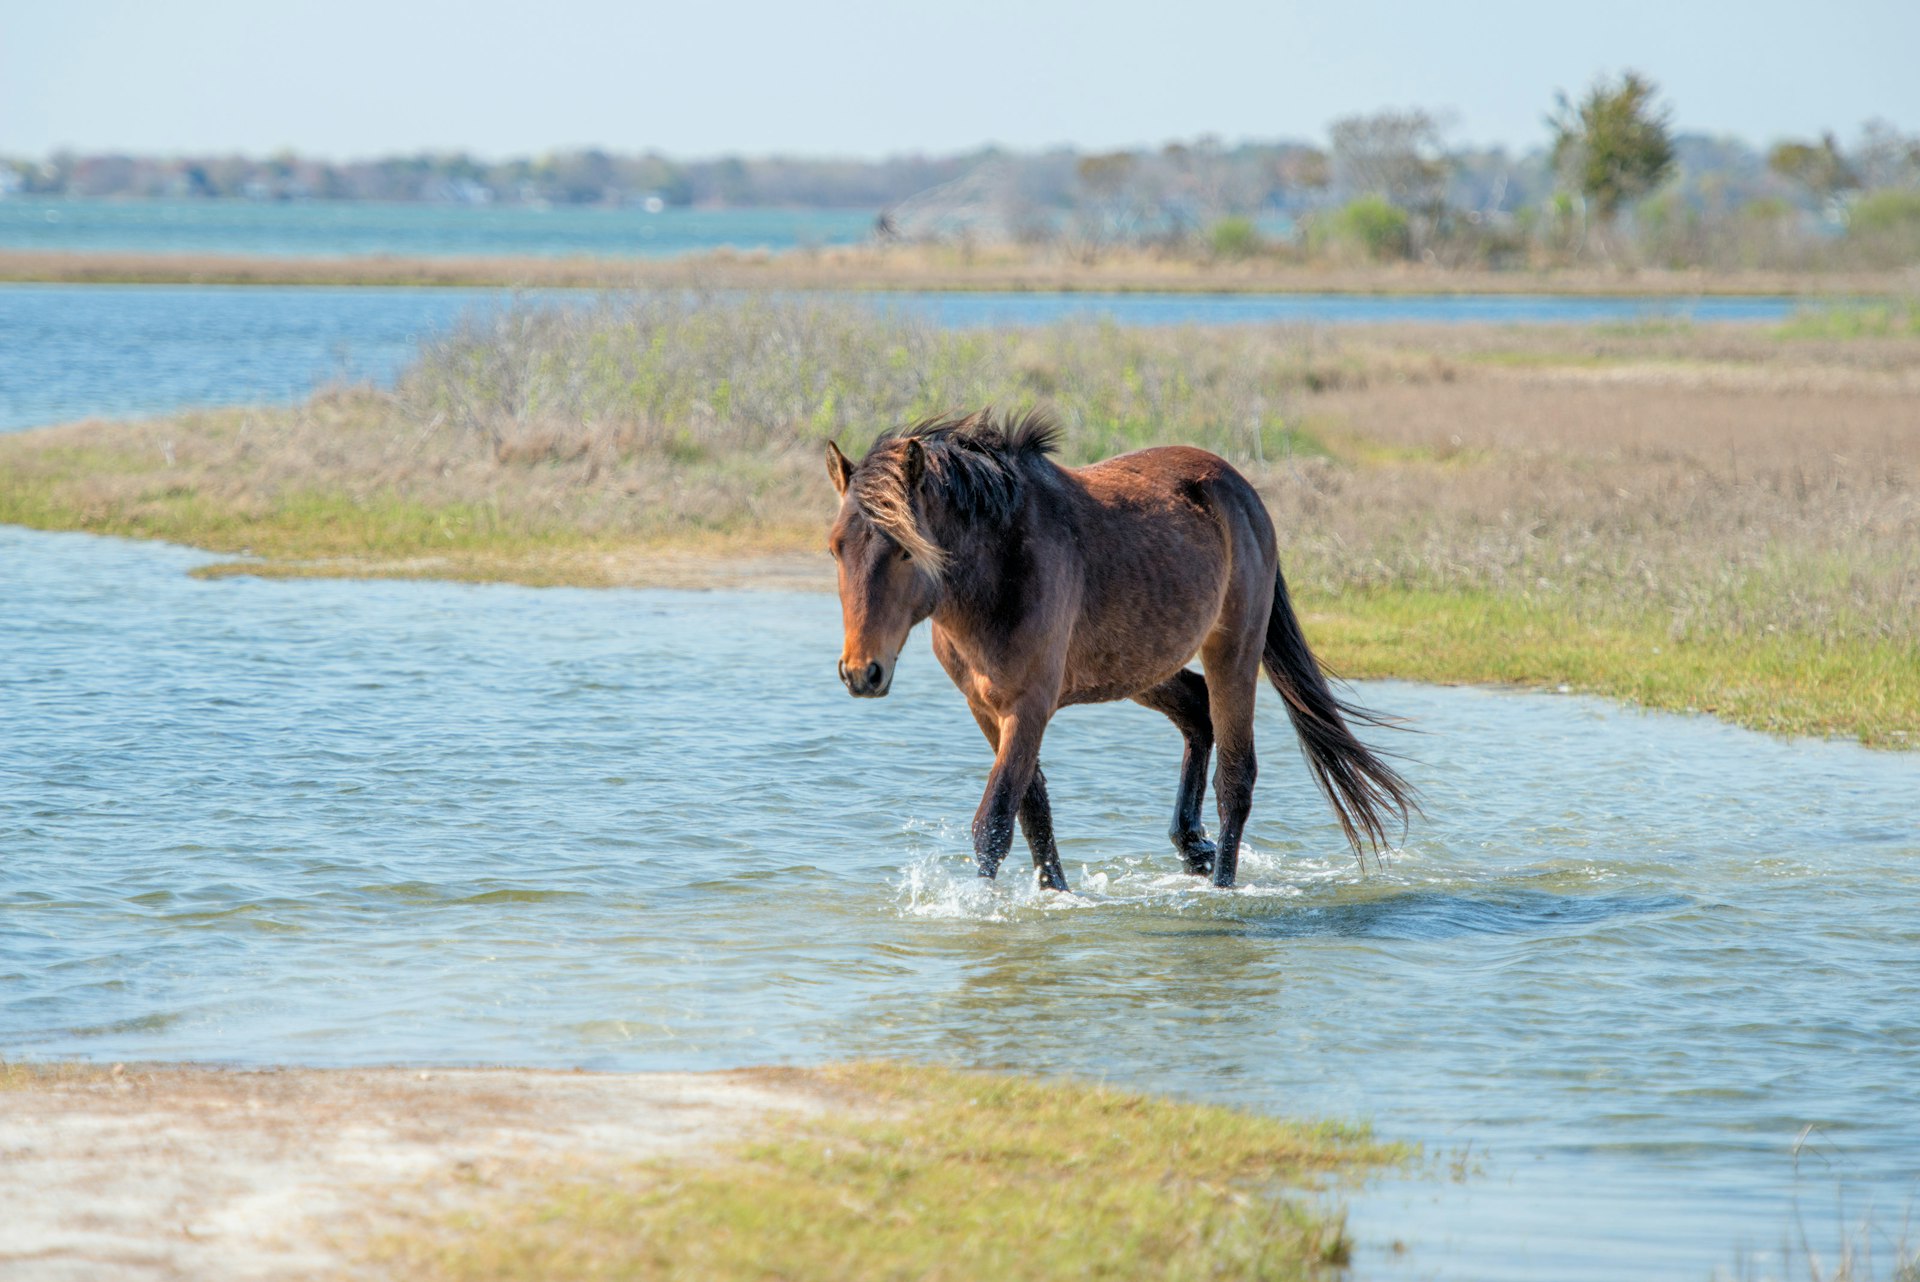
{"x":938,"y":881}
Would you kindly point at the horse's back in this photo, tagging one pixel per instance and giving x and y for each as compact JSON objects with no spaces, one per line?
{"x":1175,"y":540}
{"x":1183,"y":491}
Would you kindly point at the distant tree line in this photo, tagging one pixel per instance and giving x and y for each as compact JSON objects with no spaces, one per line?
{"x":586,"y":177}
{"x":1611,"y":181}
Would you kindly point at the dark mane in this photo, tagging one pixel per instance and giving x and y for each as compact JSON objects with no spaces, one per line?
{"x":975,"y":465}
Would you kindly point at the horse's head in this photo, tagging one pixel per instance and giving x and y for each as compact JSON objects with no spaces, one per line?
{"x":888,"y":570}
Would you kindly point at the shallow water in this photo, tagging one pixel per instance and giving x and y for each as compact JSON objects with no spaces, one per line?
{"x":1656,"y":979}
{"x":69,"y":352}
{"x":75,"y":351}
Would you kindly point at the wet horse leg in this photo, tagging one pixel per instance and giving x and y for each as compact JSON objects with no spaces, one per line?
{"x":1233,"y":671}
{"x":1183,"y":699}
{"x":1036,"y":822}
{"x":1035,"y":812}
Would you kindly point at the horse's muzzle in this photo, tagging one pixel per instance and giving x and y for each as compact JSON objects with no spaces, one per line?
{"x":870,"y":682}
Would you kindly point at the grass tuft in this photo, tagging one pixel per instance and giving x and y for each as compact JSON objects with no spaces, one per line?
{"x":1783,"y":684}
{"x":939,"y":1174}
{"x":1892,"y":319}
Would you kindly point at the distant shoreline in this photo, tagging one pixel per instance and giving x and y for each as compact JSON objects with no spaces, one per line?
{"x":930,"y":269}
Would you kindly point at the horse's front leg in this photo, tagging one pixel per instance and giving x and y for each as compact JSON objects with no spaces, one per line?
{"x":1016,"y":788}
{"x":1036,"y":811}
{"x":1036,"y":821}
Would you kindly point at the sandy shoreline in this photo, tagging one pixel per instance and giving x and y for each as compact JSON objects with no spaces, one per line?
{"x":151,"y":1172}
{"x":868,"y":269}
{"x":649,"y":565}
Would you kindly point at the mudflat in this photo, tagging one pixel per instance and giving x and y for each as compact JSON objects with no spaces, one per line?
{"x":150,"y":1172}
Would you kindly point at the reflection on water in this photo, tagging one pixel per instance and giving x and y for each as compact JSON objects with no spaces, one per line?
{"x":1626,"y":963}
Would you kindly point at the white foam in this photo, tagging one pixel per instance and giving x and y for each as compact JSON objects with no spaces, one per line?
{"x":939,"y":881}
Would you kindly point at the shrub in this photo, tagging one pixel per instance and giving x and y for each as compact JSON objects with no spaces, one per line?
{"x":1235,"y":237}
{"x":1377,"y":229}
{"x":1884,"y":228}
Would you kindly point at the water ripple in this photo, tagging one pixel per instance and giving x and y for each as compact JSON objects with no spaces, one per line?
{"x":1631,"y":957}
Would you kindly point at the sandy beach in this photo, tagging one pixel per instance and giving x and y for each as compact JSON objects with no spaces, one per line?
{"x":138,"y":1173}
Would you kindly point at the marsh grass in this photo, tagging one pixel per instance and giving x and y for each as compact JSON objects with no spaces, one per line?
{"x":1057,"y":268}
{"x":23,"y":1076}
{"x":1783,"y":684}
{"x":1724,"y":518}
{"x":930,"y":1173}
{"x":1892,"y":319}
{"x":692,"y":377}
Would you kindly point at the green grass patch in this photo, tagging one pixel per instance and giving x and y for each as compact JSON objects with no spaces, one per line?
{"x":1340,"y":442}
{"x":1651,"y":325}
{"x":1853,"y":320}
{"x":1514,"y":359}
{"x":938,"y":1174}
{"x":304,"y":525}
{"x":1778,"y":683}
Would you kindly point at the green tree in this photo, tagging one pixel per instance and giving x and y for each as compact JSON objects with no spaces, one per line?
{"x":1615,"y":145}
{"x":1818,"y":167}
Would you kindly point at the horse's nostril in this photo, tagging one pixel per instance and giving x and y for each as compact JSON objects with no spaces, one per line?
{"x":873,"y":674}
{"x":840,"y":666}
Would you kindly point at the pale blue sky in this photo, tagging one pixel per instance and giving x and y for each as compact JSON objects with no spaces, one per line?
{"x":347,"y":78}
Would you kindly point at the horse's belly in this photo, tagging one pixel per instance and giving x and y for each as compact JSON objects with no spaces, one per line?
{"x":1125,"y":650}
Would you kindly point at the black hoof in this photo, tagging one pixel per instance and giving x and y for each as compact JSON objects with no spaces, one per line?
{"x":1197,"y":853}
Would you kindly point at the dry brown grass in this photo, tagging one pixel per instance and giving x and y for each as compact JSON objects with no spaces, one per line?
{"x":1729,"y":480}
{"x":938,"y":268}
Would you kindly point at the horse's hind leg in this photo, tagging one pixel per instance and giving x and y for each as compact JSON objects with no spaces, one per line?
{"x":1036,"y":813}
{"x":1183,"y":698}
{"x":1233,"y":669}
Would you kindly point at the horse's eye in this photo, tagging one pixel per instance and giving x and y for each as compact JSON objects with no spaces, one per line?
{"x":905,"y":555}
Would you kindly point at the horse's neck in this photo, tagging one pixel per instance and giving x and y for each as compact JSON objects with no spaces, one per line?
{"x":996,"y":578}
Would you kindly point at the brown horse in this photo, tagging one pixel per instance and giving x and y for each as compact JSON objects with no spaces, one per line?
{"x":1050,"y":586}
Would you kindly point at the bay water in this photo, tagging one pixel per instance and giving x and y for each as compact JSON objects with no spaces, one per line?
{"x":1647,"y":987}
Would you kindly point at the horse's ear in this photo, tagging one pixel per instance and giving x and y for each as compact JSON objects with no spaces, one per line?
{"x":839,"y":468}
{"x":916,"y":463}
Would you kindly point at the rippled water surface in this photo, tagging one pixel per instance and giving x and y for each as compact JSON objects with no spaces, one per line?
{"x":1655,"y":980}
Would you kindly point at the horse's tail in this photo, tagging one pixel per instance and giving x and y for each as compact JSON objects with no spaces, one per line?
{"x":1365,"y":791}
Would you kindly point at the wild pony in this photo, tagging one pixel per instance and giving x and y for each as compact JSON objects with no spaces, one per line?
{"x":1050,"y":586}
